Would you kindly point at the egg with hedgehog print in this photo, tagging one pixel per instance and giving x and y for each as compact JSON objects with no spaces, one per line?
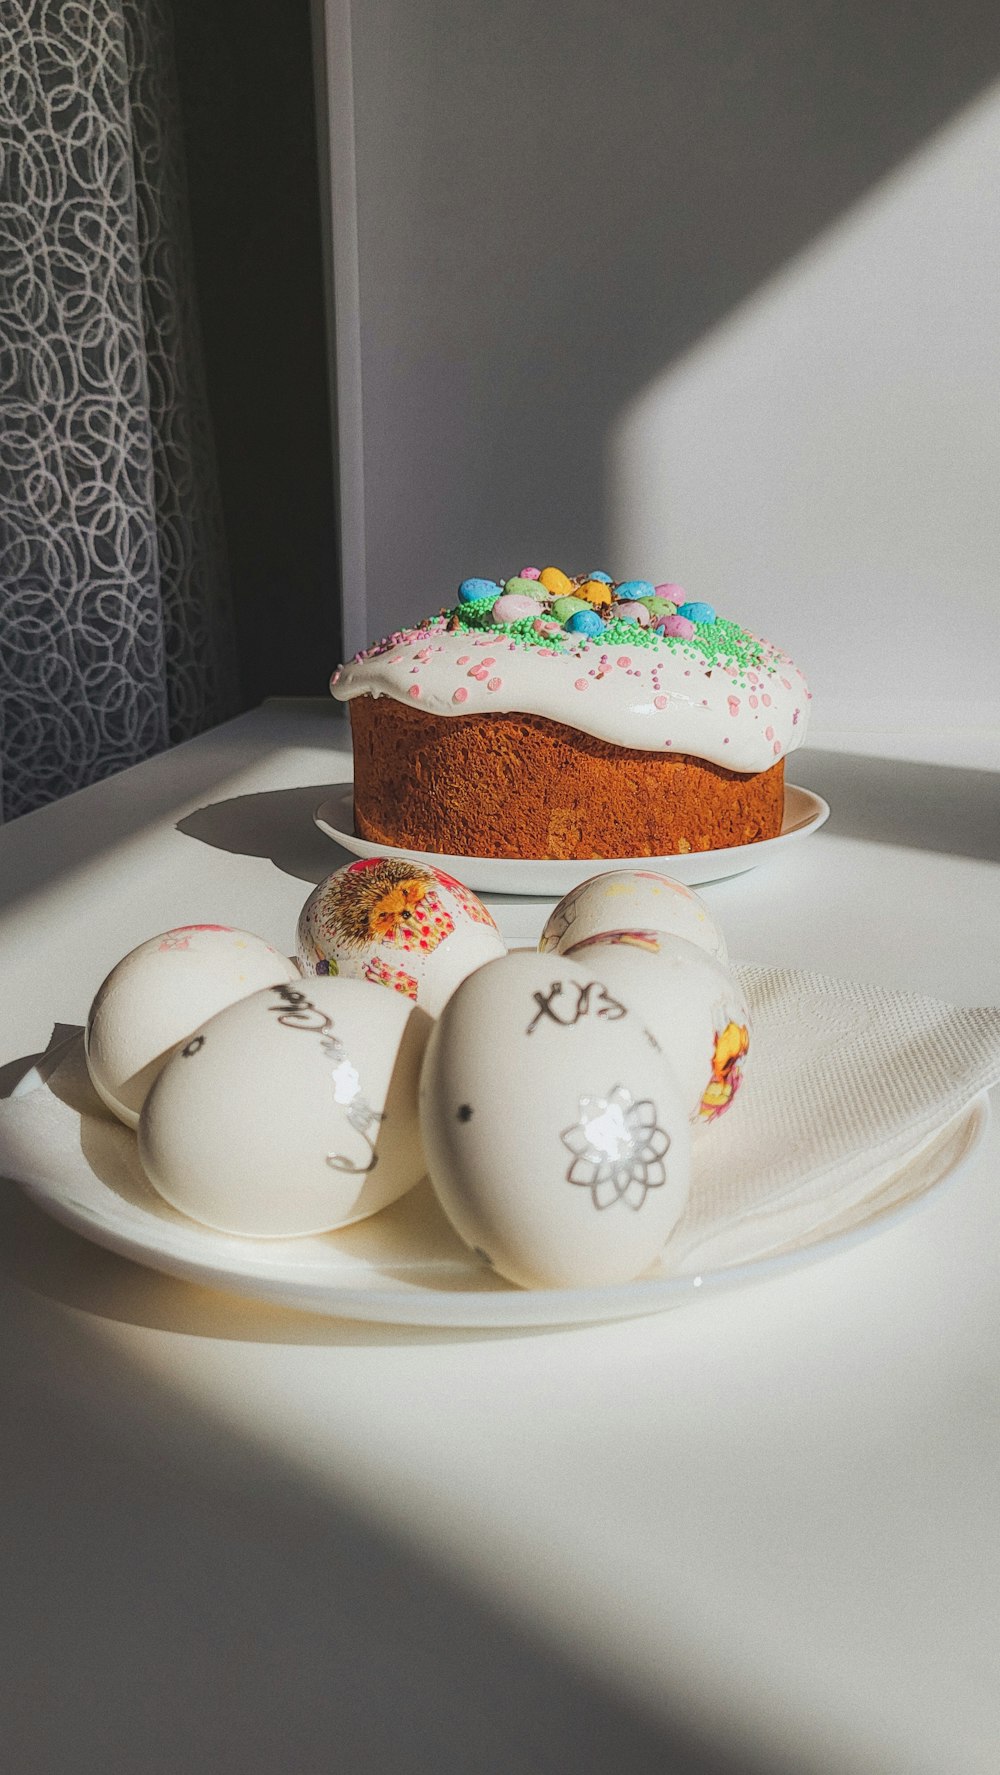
{"x":398,"y":923}
{"x":556,"y":1140}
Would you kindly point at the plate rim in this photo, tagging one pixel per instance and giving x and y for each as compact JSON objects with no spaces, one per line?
{"x":522,"y":1309}
{"x":736,"y":859}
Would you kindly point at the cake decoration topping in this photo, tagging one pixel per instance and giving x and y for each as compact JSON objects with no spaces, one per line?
{"x":680,"y":626}
{"x":557,"y":631}
{"x":585,"y":622}
{"x":556,"y":581}
{"x":511,"y":607}
{"x":525,"y":585}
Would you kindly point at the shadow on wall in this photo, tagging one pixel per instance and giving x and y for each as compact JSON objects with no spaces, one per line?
{"x":557,"y":203}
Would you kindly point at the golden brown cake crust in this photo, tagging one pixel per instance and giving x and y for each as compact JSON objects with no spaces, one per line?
{"x":509,"y":785}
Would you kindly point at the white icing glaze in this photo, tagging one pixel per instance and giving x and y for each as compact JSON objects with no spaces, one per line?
{"x":668,"y":696}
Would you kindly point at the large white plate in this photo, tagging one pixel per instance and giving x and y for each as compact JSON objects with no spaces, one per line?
{"x":804,"y":813}
{"x":403,"y":1266}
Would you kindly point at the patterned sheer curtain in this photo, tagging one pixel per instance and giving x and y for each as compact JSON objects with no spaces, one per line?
{"x":115,"y":621}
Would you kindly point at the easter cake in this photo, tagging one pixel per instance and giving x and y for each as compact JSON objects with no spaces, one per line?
{"x":574,"y":718}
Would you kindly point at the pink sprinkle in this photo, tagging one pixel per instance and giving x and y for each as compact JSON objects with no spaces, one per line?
{"x":581,"y":684}
{"x":659,"y":702}
{"x":488,"y":661}
{"x":530,"y":573}
{"x":752,"y":701}
{"x":769,"y":733}
{"x":795,"y":717}
{"x":460,"y":695}
{"x":786,"y":683}
{"x":494,"y":684}
{"x":765,"y":699}
{"x":414,"y":690}
{"x":725,"y":739}
{"x":777,"y":747}
{"x":463,"y":659}
{"x":734,"y":705}
{"x":625,"y":661}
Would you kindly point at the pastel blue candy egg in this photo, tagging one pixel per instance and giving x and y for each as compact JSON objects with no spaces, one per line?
{"x":472,"y":589}
{"x":605,"y":578}
{"x":635,"y":588}
{"x":584,"y":622}
{"x":695,"y":612}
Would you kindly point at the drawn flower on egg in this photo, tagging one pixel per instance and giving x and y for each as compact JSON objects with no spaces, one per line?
{"x":397,"y":978}
{"x":732,"y":1044}
{"x":387,"y":900}
{"x":617,"y":1148}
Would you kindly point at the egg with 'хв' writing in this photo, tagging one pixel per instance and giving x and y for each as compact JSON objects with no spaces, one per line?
{"x":637,"y":899}
{"x":400,"y":924}
{"x":692,"y":1004}
{"x":556,"y":1139}
{"x":292,"y":1112}
{"x":159,"y":993}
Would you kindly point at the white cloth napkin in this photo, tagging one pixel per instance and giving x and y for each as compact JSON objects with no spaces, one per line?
{"x":845,"y":1085}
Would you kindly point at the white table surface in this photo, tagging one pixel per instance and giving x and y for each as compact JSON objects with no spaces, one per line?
{"x":757,"y":1532}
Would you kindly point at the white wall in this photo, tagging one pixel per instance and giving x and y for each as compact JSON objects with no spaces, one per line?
{"x":831,"y":452}
{"x":699,"y":292}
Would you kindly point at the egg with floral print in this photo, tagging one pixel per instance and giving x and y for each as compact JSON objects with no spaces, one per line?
{"x":694,"y":1006}
{"x":159,"y":993}
{"x":400,"y":924}
{"x":640,"y":899}
{"x":556,"y":1139}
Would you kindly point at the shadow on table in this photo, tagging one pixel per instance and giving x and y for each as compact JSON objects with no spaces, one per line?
{"x":274,"y":823}
{"x":930,"y":807}
{"x":178,"y":1598}
{"x":41,"y":1255}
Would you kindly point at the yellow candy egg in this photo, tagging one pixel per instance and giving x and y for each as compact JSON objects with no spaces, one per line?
{"x":556,"y":582}
{"x":595,"y":591}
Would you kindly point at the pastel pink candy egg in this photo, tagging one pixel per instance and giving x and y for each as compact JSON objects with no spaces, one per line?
{"x":530,"y":573}
{"x":631,"y":611}
{"x":675,"y":593}
{"x":512,"y":607}
{"x":676,"y":625}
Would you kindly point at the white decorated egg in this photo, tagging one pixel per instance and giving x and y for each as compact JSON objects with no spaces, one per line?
{"x":634,"y":899}
{"x":159,"y":993}
{"x":691,"y":1003}
{"x":398,"y":923}
{"x":292,"y":1112}
{"x":556,"y":1140}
